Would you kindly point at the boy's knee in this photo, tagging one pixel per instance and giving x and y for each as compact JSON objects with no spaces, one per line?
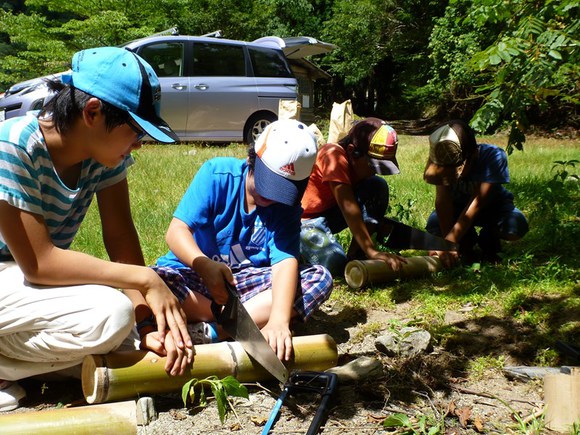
{"x":117,"y":318}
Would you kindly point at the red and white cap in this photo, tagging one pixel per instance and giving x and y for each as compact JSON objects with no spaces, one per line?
{"x":285,"y":154}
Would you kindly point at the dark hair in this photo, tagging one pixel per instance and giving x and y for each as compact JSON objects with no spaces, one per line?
{"x":360,"y":135}
{"x":69,"y":103}
{"x":466,"y":137}
{"x":251,"y":157}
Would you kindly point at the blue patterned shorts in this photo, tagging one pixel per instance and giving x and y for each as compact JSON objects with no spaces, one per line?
{"x":314,"y":288}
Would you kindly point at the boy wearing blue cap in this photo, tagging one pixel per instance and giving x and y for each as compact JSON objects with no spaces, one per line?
{"x":57,"y":305}
{"x":239,"y":221}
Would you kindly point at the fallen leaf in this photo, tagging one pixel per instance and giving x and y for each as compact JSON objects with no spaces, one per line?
{"x":258,"y":421}
{"x":451,"y":408}
{"x":478,"y":423}
{"x":375,"y":418}
{"x":176,"y":414}
{"x":463,"y":414}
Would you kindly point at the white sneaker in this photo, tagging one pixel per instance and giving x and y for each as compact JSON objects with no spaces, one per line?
{"x":203,"y":332}
{"x":10,"y":394}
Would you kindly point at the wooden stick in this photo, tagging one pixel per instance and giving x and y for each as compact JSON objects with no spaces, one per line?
{"x":359,"y":273}
{"x":119,"y":418}
{"x":121,"y":375}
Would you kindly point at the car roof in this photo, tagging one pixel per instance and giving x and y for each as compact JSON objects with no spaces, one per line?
{"x":31,"y":82}
{"x":297,"y":47}
{"x":167,"y":38}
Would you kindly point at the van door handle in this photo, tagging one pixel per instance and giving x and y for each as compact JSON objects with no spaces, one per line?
{"x":178,"y":86}
{"x":201,"y":86}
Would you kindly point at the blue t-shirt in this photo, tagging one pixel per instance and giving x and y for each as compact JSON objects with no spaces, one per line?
{"x":491,"y":166}
{"x":29,"y":181}
{"x":213,"y":208}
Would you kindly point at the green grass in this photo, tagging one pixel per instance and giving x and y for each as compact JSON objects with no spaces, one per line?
{"x":535,"y":288}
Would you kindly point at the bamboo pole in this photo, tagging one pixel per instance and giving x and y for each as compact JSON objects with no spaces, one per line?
{"x":562,"y":399}
{"x":118,"y":418}
{"x":359,"y":273}
{"x":121,"y":375}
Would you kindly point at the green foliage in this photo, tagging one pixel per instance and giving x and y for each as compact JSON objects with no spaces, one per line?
{"x":453,"y":42}
{"x":533,"y":61}
{"x":396,"y":59}
{"x":402,"y":211}
{"x":423,"y":426}
{"x":222,"y":390}
{"x":363,"y":31}
{"x":480,"y":366}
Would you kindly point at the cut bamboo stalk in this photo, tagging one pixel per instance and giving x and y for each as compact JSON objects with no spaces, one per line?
{"x":562,"y":399}
{"x":118,"y":418}
{"x":359,"y":273}
{"x":122,"y":375}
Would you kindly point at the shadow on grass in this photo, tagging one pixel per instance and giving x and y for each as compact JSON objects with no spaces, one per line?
{"x":334,"y":323}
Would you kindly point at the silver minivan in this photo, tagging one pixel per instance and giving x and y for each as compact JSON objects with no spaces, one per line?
{"x":213,"y":89}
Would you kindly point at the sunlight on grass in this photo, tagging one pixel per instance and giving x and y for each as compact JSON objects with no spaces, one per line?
{"x":479,"y":367}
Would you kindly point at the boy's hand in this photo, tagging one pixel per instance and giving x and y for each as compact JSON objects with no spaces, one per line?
{"x":279,"y":337}
{"x":168,"y":313}
{"x":395,"y":262}
{"x":177,"y":359}
{"x":448,"y":258}
{"x":214,"y":274}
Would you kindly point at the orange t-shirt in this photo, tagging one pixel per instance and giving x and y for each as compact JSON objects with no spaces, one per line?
{"x":331,"y":165}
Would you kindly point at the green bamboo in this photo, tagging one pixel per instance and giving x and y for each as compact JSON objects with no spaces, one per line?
{"x":118,"y":418}
{"x":359,"y":273}
{"x":122,"y":375}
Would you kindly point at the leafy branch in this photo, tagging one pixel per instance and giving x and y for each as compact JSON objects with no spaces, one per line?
{"x":222,"y":390}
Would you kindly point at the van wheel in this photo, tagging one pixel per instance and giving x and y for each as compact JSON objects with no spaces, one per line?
{"x":256,"y":125}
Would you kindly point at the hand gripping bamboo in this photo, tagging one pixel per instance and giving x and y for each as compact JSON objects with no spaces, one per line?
{"x":123,"y":375}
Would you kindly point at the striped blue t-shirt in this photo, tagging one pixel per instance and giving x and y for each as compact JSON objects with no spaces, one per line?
{"x":29,"y":181}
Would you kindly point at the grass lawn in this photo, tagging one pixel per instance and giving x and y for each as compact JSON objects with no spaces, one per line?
{"x":536,"y":285}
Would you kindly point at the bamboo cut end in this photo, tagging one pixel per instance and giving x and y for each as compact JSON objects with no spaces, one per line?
{"x":94,"y":379}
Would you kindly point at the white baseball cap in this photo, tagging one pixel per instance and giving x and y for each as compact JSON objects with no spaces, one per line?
{"x":285,"y":154}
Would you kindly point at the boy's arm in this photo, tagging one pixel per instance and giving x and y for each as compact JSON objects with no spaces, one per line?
{"x":454,"y":231}
{"x":466,"y":219}
{"x":41,"y":262}
{"x":122,"y":244}
{"x":284,"y":284}
{"x":444,"y":208}
{"x":213,"y":273}
{"x":351,"y":211}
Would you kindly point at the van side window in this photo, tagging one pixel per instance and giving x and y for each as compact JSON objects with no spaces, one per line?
{"x":268,"y":62}
{"x":218,"y":60}
{"x":166,"y":58}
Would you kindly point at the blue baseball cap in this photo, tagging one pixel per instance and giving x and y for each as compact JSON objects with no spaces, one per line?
{"x":123,"y":79}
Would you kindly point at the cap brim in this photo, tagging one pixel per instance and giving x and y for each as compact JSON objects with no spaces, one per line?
{"x":441,"y":175}
{"x":386,"y":167}
{"x":274,"y":187}
{"x":157,"y":129}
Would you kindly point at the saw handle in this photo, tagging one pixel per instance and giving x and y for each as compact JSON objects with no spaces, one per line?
{"x":225,"y":313}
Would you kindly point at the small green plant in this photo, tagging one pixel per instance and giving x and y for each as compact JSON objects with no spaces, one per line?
{"x":424,"y":425}
{"x":222,"y":389}
{"x":372,"y":328}
{"x":546,"y":357}
{"x":402,"y":212}
{"x":562,"y":169}
{"x":480,"y":365}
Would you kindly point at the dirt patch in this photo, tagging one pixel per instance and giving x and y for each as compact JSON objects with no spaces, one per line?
{"x":434,"y":386}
